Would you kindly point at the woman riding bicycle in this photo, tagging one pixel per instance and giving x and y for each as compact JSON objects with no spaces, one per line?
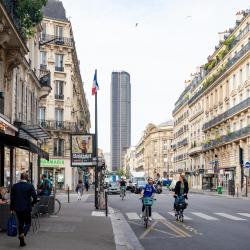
{"x":181,"y":188}
{"x":148,"y":192}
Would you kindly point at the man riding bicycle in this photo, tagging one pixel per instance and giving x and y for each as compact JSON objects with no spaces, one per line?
{"x":148,"y":192}
{"x":181,"y":188}
{"x":123,"y":185}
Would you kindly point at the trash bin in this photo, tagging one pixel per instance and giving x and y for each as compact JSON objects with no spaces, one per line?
{"x":219,"y":190}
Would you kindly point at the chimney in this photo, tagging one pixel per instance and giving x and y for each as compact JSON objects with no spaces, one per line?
{"x":239,"y":15}
{"x":223,"y":35}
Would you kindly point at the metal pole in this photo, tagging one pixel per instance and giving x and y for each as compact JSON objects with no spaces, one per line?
{"x":106,"y":202}
{"x":246,"y":185}
{"x":96,"y":152}
{"x":68,"y":195}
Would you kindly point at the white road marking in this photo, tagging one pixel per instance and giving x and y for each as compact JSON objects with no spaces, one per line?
{"x":185,"y":217}
{"x":244,"y":214}
{"x":231,"y":217}
{"x":133,"y":216}
{"x":157,"y":216}
{"x":98,"y":214}
{"x":205,"y":216}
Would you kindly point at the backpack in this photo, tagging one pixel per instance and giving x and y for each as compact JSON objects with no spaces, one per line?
{"x":12,"y":226}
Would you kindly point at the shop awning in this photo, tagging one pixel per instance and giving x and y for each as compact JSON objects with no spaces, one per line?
{"x":34,"y":131}
{"x":17,"y":142}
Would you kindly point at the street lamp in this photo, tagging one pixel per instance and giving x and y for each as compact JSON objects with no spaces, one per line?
{"x":58,"y":42}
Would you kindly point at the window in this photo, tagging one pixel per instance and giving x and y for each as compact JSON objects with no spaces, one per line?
{"x":240,"y":77}
{"x":42,"y":111}
{"x":43,"y":60}
{"x":59,"y":117}
{"x":44,"y":31}
{"x":248,"y":93}
{"x":241,"y":123}
{"x":247,"y":70}
{"x":248,"y":120}
{"x":59,"y":31}
{"x":58,"y":147}
{"x":59,"y":90}
{"x":234,"y":126}
{"x":234,"y":81}
{"x":240,"y":97}
{"x":59,"y":62}
{"x":234,"y":101}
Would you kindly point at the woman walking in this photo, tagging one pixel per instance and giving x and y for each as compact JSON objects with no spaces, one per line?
{"x":79,"y":189}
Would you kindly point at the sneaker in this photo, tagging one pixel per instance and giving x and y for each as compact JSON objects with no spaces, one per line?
{"x":150,"y":218}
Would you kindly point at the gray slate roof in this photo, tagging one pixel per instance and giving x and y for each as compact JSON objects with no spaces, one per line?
{"x":54,"y":9}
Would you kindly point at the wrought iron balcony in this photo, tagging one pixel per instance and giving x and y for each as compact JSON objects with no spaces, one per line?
{"x":61,"y":125}
{"x":60,"y":69}
{"x":59,"y":97}
{"x":58,"y":40}
{"x":224,"y":116}
{"x":182,"y":143}
{"x":2,"y":103}
{"x":45,"y":78}
{"x":229,"y":64}
{"x":43,"y":67}
{"x":227,"y":138}
{"x":11,"y":10}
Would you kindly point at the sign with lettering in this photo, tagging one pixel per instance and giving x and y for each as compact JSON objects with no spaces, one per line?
{"x":52,"y":163}
{"x":82,"y":150}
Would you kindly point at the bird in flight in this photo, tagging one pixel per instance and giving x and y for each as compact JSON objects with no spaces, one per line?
{"x":136,"y":24}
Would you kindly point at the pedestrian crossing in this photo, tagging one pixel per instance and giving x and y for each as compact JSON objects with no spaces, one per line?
{"x":189,"y":216}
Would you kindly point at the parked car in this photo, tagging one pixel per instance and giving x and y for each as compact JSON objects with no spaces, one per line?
{"x":139,"y":186}
{"x":129,"y":185}
{"x":114,"y":188}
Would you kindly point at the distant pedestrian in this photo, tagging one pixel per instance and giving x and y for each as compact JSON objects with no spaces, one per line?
{"x":21,"y":204}
{"x":79,"y":189}
{"x":45,"y":187}
{"x":87,"y":185}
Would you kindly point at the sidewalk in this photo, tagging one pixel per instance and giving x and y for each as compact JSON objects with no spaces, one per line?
{"x":73,"y":228}
{"x":211,"y":193}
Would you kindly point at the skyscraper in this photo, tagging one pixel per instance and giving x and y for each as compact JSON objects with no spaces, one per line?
{"x":120,"y":117}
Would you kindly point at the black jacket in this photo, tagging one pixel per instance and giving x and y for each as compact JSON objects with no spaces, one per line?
{"x":177,"y":189}
{"x":20,"y":197}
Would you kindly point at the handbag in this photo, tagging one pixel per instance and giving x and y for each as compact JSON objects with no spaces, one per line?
{"x":12,"y":226}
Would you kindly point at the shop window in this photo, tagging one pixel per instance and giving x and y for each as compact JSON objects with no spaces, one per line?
{"x":58,"y":147}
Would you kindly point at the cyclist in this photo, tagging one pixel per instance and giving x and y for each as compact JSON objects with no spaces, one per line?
{"x":148,"y":191}
{"x":123,"y":184}
{"x":181,"y":188}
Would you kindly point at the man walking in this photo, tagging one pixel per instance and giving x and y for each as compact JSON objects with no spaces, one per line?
{"x":20,"y":203}
{"x":45,"y":187}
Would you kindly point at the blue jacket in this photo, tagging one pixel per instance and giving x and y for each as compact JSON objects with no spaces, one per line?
{"x":20,"y":197}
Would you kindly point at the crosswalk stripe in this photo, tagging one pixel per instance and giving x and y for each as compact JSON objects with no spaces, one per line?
{"x":185,"y":217}
{"x":244,"y":214}
{"x":133,"y":216}
{"x":205,"y":216}
{"x":98,"y":214}
{"x":157,"y":216}
{"x":228,"y":216}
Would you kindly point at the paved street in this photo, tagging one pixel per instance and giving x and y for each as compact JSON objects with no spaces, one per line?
{"x":211,"y":223}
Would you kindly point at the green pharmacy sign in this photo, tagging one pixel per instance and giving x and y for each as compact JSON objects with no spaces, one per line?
{"x":53,"y":163}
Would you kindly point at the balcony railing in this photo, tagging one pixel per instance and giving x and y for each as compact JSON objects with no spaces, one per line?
{"x":182,"y":143}
{"x":2,"y":103}
{"x":229,"y":64}
{"x":224,"y":116}
{"x":56,"y":40}
{"x":11,"y":10}
{"x":59,"y":97}
{"x":57,"y":68}
{"x":43,"y":67}
{"x":45,"y":78}
{"x":60,"y":125}
{"x":227,"y":138}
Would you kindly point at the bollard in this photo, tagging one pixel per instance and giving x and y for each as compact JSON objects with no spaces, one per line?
{"x":68,"y":194}
{"x":106,"y":202}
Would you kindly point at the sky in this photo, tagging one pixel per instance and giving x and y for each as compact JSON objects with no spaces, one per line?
{"x":172,"y":38}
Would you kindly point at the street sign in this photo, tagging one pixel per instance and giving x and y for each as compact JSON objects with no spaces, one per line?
{"x":247,"y":164}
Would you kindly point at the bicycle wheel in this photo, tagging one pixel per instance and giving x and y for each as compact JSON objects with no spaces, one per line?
{"x":181,"y":216}
{"x":57,"y":206}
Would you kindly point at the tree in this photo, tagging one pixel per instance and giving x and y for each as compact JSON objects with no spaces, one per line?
{"x":30,"y":14}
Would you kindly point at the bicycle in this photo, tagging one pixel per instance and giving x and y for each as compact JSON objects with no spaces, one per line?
{"x":57,"y":206}
{"x":123,"y":189}
{"x":148,"y":202}
{"x":180,"y":205}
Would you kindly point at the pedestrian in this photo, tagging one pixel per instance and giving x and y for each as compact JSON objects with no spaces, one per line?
{"x":79,"y":189}
{"x":45,"y":187}
{"x":87,"y":185}
{"x":3,"y":191}
{"x":21,"y":205}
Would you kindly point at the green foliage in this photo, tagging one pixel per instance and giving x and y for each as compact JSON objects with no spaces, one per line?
{"x":30,"y":14}
{"x":121,"y":172}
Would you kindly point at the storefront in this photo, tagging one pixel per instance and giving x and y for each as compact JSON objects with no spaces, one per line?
{"x":226,"y":179}
{"x":209,"y":180}
{"x":55,"y":171}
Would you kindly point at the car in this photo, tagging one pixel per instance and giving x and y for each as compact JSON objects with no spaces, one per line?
{"x":114,"y":188}
{"x":139,"y":186}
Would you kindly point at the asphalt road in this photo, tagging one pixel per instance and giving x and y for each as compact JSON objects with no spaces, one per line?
{"x":210,"y":223}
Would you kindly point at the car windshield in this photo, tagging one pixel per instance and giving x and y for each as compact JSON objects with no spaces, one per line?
{"x":114,"y":184}
{"x":142,"y":183}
